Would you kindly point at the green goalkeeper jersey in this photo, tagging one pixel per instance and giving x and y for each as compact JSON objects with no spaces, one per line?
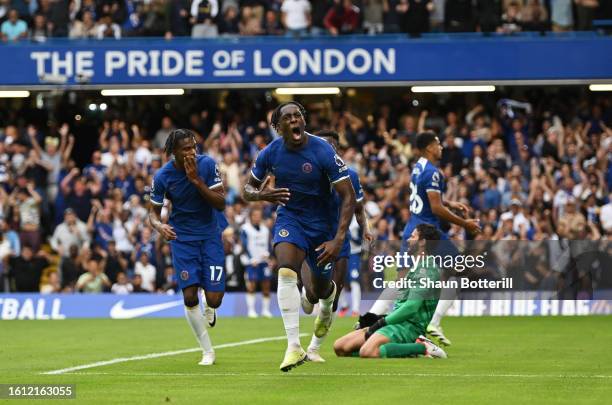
{"x":417,"y":305}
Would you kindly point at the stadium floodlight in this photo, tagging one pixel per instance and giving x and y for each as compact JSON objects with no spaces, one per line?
{"x":142,"y":92}
{"x":14,"y":94}
{"x":452,"y":89}
{"x":289,"y":91}
{"x":600,"y":87}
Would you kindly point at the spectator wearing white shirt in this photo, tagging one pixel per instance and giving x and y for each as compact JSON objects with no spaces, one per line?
{"x":122,"y":286}
{"x":159,"y":141}
{"x":106,"y":28}
{"x":295,"y":16}
{"x":114,"y":155}
{"x":70,"y":232}
{"x":520,"y":224}
{"x":202,"y":14}
{"x":84,"y":28}
{"x":143,"y":155}
{"x":53,"y":285}
{"x":147,"y":271}
{"x":605,"y":216}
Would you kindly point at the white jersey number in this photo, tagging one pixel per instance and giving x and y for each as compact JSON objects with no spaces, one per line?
{"x":416,"y":203}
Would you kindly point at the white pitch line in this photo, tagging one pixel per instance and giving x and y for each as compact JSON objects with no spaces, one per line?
{"x":452,"y":375}
{"x":162,"y":354}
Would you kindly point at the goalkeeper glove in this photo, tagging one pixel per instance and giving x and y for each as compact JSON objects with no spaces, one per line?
{"x":367,"y":320}
{"x":377,"y":325}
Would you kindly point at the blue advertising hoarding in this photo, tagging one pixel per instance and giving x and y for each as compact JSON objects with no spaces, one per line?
{"x":263,"y":61}
{"x":69,"y":306}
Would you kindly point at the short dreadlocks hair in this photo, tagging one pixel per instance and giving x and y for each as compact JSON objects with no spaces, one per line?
{"x":276,"y":114}
{"x":175,"y":136}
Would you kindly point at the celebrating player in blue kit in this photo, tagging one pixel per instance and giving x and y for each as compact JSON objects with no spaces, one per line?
{"x":426,"y":188}
{"x":341,"y":266}
{"x":306,"y":168}
{"x":192,"y":184}
{"x":427,"y":207}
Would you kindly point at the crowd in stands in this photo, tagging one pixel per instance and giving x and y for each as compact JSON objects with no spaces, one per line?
{"x":38,"y":20}
{"x":530,"y":170}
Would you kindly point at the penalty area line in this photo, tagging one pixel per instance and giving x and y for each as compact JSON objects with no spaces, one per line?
{"x":162,"y":354}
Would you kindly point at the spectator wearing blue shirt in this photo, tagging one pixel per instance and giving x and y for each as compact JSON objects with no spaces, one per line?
{"x":96,"y":168}
{"x":146,"y":245}
{"x":123,"y":181}
{"x":13,"y":29}
{"x":469,"y":144}
{"x":100,"y":224}
{"x":514,"y":191}
{"x":489,"y":197}
{"x":11,"y":236}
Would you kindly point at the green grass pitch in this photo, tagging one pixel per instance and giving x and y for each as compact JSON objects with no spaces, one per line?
{"x":493,"y":360}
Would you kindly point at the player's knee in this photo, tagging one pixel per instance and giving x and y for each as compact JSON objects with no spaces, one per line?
{"x":190,"y":301}
{"x":285,"y":271}
{"x":368,"y":352}
{"x":340,"y":347}
{"x":214,"y":301}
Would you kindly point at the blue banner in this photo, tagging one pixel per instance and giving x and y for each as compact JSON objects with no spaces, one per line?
{"x":68,"y":306}
{"x":263,"y":61}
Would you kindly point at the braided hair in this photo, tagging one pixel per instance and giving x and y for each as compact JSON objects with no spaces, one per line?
{"x":174,"y":137}
{"x":276,"y":114}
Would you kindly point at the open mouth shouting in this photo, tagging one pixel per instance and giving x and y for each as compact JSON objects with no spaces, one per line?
{"x":296,"y":131}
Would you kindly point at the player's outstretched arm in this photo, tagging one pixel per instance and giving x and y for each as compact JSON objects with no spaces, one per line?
{"x":441,"y":211}
{"x":256,"y":190}
{"x":329,"y":251}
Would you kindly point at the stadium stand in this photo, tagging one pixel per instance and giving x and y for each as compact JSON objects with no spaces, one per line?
{"x":533,"y":170}
{"x":39,"y":20}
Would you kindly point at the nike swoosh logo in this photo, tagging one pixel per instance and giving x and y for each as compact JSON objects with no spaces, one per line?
{"x":118,"y":312}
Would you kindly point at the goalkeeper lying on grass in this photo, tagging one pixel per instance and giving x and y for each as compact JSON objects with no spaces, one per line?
{"x":402,"y":332}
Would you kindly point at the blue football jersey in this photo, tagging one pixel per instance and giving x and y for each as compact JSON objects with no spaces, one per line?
{"x":192,"y":217}
{"x":308,"y":173}
{"x":221,"y":221}
{"x":425,"y":177}
{"x":337,"y":201}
